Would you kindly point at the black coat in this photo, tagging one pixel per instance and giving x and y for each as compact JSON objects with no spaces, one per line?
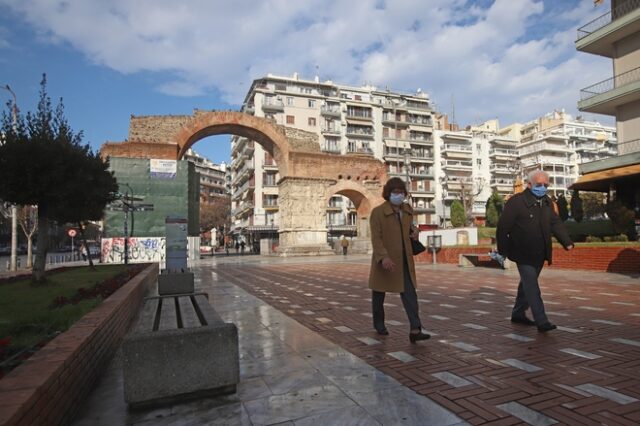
{"x":525,"y":228}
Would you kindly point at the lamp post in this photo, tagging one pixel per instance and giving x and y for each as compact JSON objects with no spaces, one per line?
{"x":13,"y":263}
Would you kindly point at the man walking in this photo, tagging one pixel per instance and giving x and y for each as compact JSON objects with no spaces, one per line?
{"x":524,"y":236}
{"x":345,"y":245}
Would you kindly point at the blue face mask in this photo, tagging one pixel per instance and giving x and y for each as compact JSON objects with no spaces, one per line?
{"x":396,"y":199}
{"x":539,"y":191}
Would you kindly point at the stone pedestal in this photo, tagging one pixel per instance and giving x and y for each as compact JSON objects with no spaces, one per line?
{"x":175,"y":283}
{"x":302,"y":205}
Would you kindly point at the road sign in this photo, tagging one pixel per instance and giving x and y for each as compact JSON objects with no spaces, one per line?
{"x":71,"y":233}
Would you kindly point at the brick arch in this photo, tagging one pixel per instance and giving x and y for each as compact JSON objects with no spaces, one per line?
{"x":271,"y":137}
{"x":364,"y":198}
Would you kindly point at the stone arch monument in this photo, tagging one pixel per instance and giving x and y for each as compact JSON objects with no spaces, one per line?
{"x":308,"y":177}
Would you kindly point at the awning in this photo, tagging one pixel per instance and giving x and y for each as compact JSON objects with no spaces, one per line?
{"x":599,"y":181}
{"x":257,"y":228}
{"x":391,"y":143}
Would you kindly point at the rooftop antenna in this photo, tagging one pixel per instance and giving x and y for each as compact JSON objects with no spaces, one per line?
{"x":453,"y":109}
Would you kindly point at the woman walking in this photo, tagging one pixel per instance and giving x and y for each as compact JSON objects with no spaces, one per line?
{"x":392,"y":266}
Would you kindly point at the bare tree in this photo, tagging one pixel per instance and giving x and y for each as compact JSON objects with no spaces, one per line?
{"x":28,"y":221}
{"x":469,"y":190}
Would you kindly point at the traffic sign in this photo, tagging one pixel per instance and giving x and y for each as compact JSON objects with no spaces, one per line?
{"x":71,"y":233}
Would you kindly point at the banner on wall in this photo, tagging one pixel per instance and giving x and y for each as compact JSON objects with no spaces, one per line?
{"x":163,"y":169}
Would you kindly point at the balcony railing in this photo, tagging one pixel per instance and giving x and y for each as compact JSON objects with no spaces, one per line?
{"x":601,"y":21}
{"x":610,"y":84}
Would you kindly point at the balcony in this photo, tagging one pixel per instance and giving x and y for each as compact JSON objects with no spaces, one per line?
{"x":502,"y":184}
{"x":360,"y":150}
{"x":424,"y":208}
{"x":501,"y":169}
{"x":457,"y":165}
{"x":457,"y":151}
{"x":604,"y":97}
{"x":330,"y":130}
{"x":330,"y":149}
{"x":600,"y":35}
{"x":359,"y":132}
{"x":330,"y":111}
{"x":503,"y":153}
{"x":274,"y":105}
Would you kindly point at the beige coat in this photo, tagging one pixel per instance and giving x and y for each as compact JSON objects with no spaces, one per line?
{"x":386,"y":241}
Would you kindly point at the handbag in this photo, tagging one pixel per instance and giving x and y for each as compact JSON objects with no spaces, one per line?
{"x":417,"y":247}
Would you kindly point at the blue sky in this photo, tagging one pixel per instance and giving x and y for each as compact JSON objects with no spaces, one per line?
{"x":108,"y":59}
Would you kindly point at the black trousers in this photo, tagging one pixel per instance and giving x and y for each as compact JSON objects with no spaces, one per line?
{"x":409,"y":301}
{"x":529,"y":294}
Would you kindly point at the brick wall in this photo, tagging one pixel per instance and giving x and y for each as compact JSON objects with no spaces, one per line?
{"x":620,"y":258}
{"x":156,"y":128}
{"x":50,"y":386}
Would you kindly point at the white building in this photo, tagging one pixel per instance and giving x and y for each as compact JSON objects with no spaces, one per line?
{"x":557,"y":143}
{"x":393,"y":127}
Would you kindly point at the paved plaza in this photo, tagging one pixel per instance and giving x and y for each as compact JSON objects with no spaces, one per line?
{"x":309,"y":354}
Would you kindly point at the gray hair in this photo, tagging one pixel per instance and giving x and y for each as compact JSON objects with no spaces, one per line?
{"x":535,"y":173}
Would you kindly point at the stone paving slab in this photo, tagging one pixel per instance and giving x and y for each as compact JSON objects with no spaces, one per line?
{"x":586,"y":372}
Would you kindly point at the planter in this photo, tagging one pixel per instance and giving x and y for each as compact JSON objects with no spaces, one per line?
{"x":49,"y":387}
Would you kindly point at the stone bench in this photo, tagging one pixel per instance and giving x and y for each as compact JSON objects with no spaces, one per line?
{"x":467,"y":260}
{"x":180,"y":348}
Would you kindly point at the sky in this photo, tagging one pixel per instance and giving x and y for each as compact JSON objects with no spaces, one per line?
{"x":513,"y":60}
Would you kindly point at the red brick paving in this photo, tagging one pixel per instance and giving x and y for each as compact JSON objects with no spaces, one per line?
{"x":493,"y":383}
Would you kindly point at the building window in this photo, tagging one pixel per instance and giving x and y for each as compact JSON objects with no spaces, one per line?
{"x":312,"y":103}
{"x":289,"y":101}
{"x":358,"y":97}
{"x":385,"y":132}
{"x":312,"y":121}
{"x":291,"y":119}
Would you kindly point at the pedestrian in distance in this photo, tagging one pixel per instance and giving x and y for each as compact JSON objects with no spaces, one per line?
{"x":237,"y":247}
{"x":524,"y":235}
{"x":83,"y":252}
{"x":392,"y":265}
{"x":242,"y":246}
{"x":345,"y":245}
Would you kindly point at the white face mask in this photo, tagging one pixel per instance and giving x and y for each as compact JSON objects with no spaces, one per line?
{"x":396,"y":199}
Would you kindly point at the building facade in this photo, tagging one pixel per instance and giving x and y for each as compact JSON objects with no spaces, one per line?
{"x":615,"y":35}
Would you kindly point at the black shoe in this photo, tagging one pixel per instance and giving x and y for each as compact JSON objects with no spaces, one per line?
{"x":522,"y":320}
{"x":383,"y":332}
{"x":414,"y":337}
{"x":547,"y":326}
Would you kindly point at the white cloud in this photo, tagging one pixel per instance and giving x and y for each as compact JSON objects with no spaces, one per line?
{"x":513,"y":60}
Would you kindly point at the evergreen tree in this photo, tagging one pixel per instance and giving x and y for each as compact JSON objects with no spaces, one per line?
{"x":43,"y":163}
{"x":492,"y":215}
{"x":495,"y":203}
{"x":577,"y":213}
{"x":458,"y":217}
{"x":563,"y":207}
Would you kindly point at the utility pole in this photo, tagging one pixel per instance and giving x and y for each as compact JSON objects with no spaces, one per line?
{"x":127,"y":205}
{"x":13,"y":263}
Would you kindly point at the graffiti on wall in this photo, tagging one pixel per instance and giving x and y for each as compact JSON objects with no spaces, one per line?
{"x":141,"y":250}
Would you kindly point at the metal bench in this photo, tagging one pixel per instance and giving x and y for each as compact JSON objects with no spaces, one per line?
{"x":467,"y":260}
{"x":179,"y":348}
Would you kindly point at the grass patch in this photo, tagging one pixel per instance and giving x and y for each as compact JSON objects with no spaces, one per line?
{"x":486,"y":232}
{"x":26,"y":316}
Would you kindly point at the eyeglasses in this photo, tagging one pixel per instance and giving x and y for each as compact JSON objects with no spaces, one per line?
{"x":546,"y":185}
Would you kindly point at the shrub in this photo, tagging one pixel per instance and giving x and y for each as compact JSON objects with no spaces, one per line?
{"x":592,"y":239}
{"x":621,"y":238}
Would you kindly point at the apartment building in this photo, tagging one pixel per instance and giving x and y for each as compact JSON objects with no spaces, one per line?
{"x":215,"y":180}
{"x":615,"y":35}
{"x":393,"y":127}
{"x":558,"y":144}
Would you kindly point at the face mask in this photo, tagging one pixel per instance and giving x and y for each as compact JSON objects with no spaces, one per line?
{"x":396,"y":199}
{"x":539,"y":191}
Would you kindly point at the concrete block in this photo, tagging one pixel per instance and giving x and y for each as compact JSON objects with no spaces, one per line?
{"x":175,"y":283}
{"x":179,"y":349}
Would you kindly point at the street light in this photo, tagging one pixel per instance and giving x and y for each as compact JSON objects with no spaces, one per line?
{"x":13,"y":264}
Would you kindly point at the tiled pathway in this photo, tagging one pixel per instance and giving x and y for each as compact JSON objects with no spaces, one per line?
{"x":478,"y":364}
